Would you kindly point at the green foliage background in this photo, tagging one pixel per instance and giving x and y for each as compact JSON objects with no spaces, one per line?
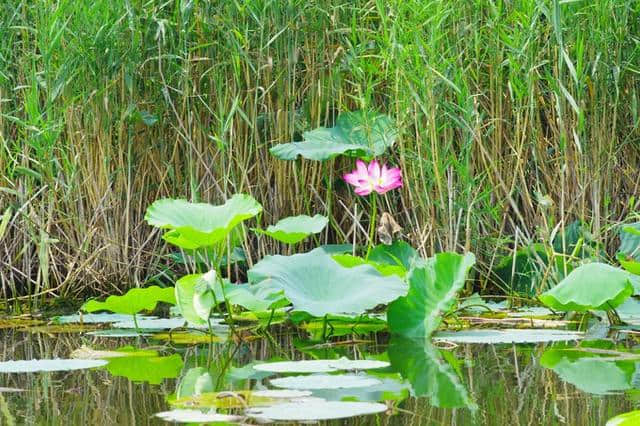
{"x":108,"y":105}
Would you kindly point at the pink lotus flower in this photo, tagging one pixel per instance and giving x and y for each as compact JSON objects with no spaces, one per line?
{"x":373,"y":178}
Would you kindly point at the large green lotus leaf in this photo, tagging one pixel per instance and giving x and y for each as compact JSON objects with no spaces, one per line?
{"x":595,"y":286}
{"x":590,"y":372}
{"x":146,"y":369}
{"x":363,"y":134}
{"x":291,"y":230}
{"x":399,"y":253}
{"x":632,"y":418}
{"x":419,"y":362}
{"x":315,"y":283}
{"x":630,"y":241}
{"x":134,"y":301}
{"x":195,"y":381}
{"x":433,"y":285}
{"x":195,"y":225}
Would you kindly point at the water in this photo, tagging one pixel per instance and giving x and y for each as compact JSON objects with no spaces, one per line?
{"x":508,"y":383}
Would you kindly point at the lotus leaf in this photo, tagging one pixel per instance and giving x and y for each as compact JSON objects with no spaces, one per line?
{"x":37,"y":365}
{"x":434,"y":283}
{"x":398,"y":254}
{"x":630,"y":241}
{"x":363,"y":134}
{"x":316,"y":410}
{"x":596,"y":286}
{"x":349,"y":261}
{"x":320,"y":365}
{"x":196,"y":416}
{"x":325,"y":381}
{"x":134,"y":301}
{"x":508,"y":336}
{"x":195,"y":225}
{"x":294,"y":229}
{"x":632,"y":418}
{"x":315,"y":283}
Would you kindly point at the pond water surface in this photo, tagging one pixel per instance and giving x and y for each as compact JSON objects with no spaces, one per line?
{"x":425,"y":384}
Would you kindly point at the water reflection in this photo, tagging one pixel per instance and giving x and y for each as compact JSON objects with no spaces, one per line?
{"x":523,"y":384}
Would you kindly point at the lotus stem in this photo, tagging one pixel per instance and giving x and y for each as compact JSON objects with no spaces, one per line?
{"x":372,"y":224}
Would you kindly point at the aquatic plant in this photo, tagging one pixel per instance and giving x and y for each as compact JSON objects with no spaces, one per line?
{"x":292,"y":230}
{"x":593,"y":286}
{"x":372,"y":178}
{"x":362,"y":134}
{"x":315,"y":283}
{"x":433,"y":286}
{"x":133,"y":302}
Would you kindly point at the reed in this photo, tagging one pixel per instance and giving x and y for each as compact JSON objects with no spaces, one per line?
{"x":106,"y":106}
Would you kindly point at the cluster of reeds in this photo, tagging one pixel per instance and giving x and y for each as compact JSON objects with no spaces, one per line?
{"x":516,"y":118}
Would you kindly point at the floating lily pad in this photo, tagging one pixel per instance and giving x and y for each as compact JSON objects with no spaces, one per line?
{"x":195,"y":416}
{"x":188,"y":338}
{"x":632,"y":418}
{"x":434,"y":284}
{"x":39,"y":365}
{"x":361,"y":134}
{"x":85,"y":352}
{"x":292,"y":230}
{"x":593,"y":286}
{"x":320,"y":365}
{"x":390,"y":389}
{"x":158,"y":324}
{"x":325,"y":381}
{"x":97,"y":318}
{"x":242,"y":399}
{"x":281,"y":393}
{"x":134,"y":301}
{"x":118,"y":333}
{"x":318,"y":410}
{"x":195,"y":225}
{"x":317,"y":284}
{"x":508,"y":336}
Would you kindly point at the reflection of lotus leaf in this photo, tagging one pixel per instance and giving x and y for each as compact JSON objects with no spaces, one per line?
{"x":420,"y":363}
{"x":146,"y":369}
{"x":590,"y":372}
{"x":317,"y":284}
{"x":316,"y":410}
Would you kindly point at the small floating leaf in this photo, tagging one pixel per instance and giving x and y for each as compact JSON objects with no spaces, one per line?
{"x":594,"y":286}
{"x":85,"y":352}
{"x":325,"y":381}
{"x":195,"y":416}
{"x":294,"y":229}
{"x":508,"y":336}
{"x":118,"y":333}
{"x":434,"y":284}
{"x":195,"y":225}
{"x":361,"y":134}
{"x":281,"y":393}
{"x":38,"y":365}
{"x":317,"y":284}
{"x":134,"y":301}
{"x":632,"y":418}
{"x":316,"y":410}
{"x":242,"y":398}
{"x":96,"y":318}
{"x":320,"y":365}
